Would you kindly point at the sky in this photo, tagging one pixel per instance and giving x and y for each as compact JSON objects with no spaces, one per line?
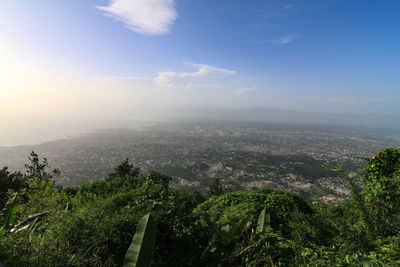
{"x":78,"y":64}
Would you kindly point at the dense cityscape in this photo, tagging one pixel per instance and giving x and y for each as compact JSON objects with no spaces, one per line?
{"x":297,"y":158}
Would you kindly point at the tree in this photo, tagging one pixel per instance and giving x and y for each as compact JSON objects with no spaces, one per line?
{"x":8,"y":180}
{"x":38,"y":169}
{"x":124,"y":169}
{"x":381,"y":191}
{"x":158,"y":178}
{"x":216,"y":188}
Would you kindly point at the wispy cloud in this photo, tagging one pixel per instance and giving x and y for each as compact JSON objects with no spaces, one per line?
{"x":287,"y":39}
{"x":182,"y":79}
{"x":243,"y":90}
{"x":200,"y":85}
{"x":283,"y":40}
{"x":287,"y":6}
{"x":149,"y":17}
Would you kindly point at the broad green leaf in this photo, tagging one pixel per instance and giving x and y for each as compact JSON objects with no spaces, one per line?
{"x":268,"y":218}
{"x":140,"y":253}
{"x":27,"y":223}
{"x":8,"y":212}
{"x":237,"y":229}
{"x":261,"y":222}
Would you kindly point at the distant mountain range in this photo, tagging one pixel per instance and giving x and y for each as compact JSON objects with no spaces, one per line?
{"x":262,"y":114}
{"x":38,"y":131}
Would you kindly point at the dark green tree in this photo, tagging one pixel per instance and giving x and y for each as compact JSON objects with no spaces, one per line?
{"x":158,"y":178}
{"x":10,"y":180}
{"x":38,"y":169}
{"x":216,"y":188}
{"x":381,"y":191}
{"x":124,"y":169}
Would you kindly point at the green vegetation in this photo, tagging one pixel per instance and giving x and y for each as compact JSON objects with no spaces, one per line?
{"x":10,"y":181}
{"x":94,"y":224}
{"x":36,"y":169}
{"x":140,"y":253}
{"x":216,"y":188}
{"x":7,"y":215}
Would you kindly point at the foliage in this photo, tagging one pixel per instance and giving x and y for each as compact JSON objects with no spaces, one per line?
{"x":93,"y":224}
{"x":38,"y":169}
{"x":140,"y":252}
{"x":272,"y":224}
{"x":158,"y":178}
{"x":386,"y":163}
{"x":10,"y":182}
{"x":7,"y":218}
{"x":216,"y":188}
{"x":381,"y":192}
{"x":7,"y":215}
{"x":125,"y":169}
{"x":232,"y":207}
{"x":263,"y":219}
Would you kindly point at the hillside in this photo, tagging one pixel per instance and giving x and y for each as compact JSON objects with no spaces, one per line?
{"x":93,"y":224}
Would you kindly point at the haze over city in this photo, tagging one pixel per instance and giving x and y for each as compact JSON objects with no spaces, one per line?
{"x":81,"y":65}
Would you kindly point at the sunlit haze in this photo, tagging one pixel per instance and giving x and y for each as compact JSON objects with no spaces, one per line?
{"x":72,"y":66}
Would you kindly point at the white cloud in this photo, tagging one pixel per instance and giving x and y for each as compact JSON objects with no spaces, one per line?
{"x":149,"y":17}
{"x":243,"y":90}
{"x":287,"y":39}
{"x":186,"y":79}
{"x":205,"y":85}
{"x":287,"y":6}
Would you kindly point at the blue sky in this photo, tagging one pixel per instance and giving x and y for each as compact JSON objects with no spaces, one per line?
{"x":114,"y":58}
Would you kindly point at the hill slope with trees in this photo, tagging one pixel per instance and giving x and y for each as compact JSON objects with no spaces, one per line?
{"x":93,"y":224}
